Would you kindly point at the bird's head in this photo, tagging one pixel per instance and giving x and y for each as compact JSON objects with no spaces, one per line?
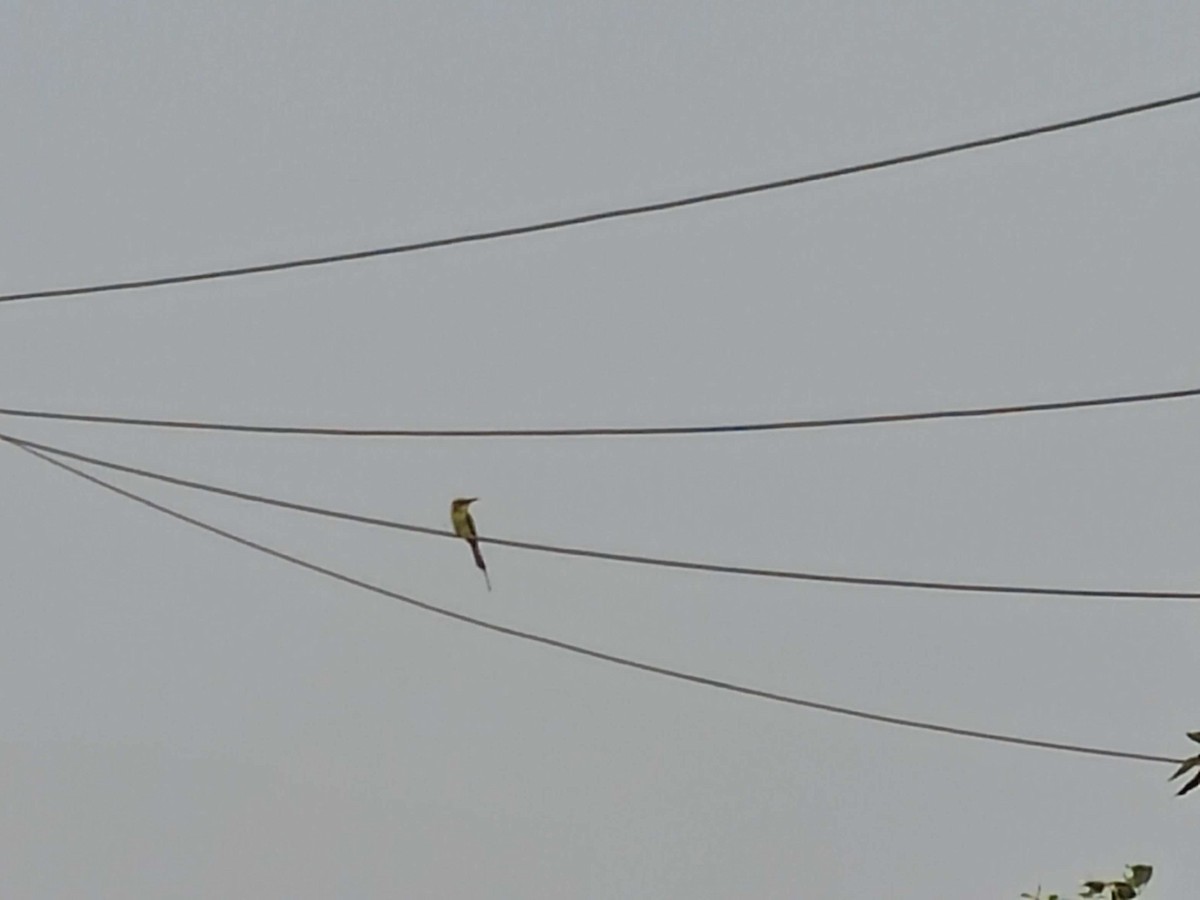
{"x":462,"y":502}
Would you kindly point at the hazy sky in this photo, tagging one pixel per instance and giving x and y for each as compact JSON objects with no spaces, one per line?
{"x":183,"y":718}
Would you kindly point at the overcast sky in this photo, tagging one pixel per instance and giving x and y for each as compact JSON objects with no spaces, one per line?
{"x":183,"y":718}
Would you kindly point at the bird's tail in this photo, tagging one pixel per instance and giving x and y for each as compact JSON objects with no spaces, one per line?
{"x":479,"y":562}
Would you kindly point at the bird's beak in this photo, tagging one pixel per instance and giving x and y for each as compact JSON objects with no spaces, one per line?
{"x":470,"y":500}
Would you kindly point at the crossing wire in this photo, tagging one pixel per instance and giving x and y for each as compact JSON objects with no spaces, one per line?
{"x":975,"y":412}
{"x":620,"y":212}
{"x":612,"y":658}
{"x":662,"y":562}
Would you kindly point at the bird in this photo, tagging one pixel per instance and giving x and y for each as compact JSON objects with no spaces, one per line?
{"x":464,"y":527}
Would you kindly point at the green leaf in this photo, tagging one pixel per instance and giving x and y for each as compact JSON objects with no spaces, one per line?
{"x":1138,"y":874}
{"x":1190,"y":786}
{"x":1186,"y":766}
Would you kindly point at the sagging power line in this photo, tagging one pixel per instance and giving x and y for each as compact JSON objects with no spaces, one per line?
{"x":617,"y":213}
{"x":660,"y":562}
{"x":972,"y":412}
{"x":614,"y":659}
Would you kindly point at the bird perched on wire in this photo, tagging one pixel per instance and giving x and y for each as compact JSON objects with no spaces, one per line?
{"x":464,"y":527}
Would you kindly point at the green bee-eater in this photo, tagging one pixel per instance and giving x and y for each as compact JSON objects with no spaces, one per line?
{"x":464,"y":527}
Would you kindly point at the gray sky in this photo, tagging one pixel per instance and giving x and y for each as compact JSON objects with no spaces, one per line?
{"x":182,"y":718}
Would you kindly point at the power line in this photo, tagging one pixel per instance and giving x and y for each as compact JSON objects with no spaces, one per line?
{"x":580,"y":650}
{"x":661,"y":562}
{"x":620,"y":212}
{"x":975,"y":412}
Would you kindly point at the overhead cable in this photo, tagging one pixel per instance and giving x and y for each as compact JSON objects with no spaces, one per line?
{"x":661,"y":562}
{"x":973,"y":412}
{"x":617,"y":213}
{"x":580,"y":650}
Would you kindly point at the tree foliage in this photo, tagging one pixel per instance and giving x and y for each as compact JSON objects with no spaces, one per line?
{"x":1192,"y":762}
{"x":1126,"y":888}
